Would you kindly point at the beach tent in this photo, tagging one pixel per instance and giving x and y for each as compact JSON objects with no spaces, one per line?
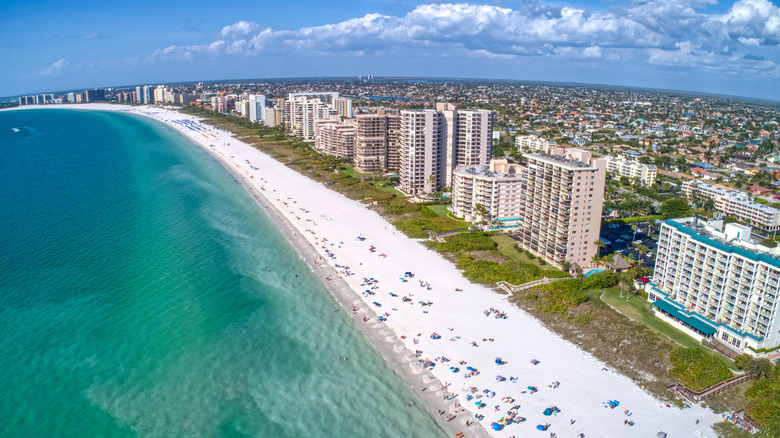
{"x":548,"y":412}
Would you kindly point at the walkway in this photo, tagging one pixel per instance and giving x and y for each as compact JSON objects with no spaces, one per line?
{"x":696,"y":396}
{"x":510,"y":288}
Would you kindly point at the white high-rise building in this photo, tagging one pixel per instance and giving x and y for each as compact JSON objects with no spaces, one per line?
{"x":490,"y":193}
{"x":421,"y":151}
{"x":257,"y":108}
{"x":435,"y":142}
{"x":715,"y":282}
{"x":302,"y":112}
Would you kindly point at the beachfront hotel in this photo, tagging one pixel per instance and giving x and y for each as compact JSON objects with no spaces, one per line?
{"x":335,"y":138}
{"x":491,"y":193}
{"x":644,"y":173}
{"x":734,"y":203}
{"x":434,"y":142}
{"x":534,"y":143}
{"x":553,"y":201}
{"x":716,"y":282}
{"x":563,"y":194}
{"x":376,"y":141}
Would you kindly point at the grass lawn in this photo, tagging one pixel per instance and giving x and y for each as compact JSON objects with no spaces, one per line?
{"x":441,"y":210}
{"x":384,"y":186}
{"x":506,"y":247}
{"x":636,"y":309}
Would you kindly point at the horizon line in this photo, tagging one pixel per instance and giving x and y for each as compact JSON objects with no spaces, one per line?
{"x":746,"y":99}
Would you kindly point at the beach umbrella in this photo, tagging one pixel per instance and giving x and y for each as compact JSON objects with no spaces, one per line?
{"x":548,"y":412}
{"x":470,"y":368}
{"x":540,"y":427}
{"x":497,"y":426}
{"x":530,"y":388}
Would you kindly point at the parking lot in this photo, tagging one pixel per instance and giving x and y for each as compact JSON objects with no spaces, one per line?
{"x":621,"y":240}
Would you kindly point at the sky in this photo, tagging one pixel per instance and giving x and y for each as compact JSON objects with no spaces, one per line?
{"x":707,"y":46}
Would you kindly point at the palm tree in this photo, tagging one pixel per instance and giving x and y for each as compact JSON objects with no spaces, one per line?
{"x":599,"y":244}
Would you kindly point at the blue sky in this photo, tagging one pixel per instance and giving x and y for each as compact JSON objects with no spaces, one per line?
{"x":696,"y":45}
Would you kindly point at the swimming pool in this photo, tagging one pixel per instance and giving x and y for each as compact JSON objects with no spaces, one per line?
{"x":595,"y":271}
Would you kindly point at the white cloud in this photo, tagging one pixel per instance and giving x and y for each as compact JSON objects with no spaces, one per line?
{"x":755,"y":42}
{"x":659,"y":32}
{"x":55,"y":69}
{"x":750,"y":19}
{"x":238,"y":29}
{"x":592,"y":52}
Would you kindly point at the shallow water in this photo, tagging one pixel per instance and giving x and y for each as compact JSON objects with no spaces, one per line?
{"x":143,"y":293}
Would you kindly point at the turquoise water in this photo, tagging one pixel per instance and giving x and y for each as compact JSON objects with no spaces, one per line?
{"x":594,"y":271}
{"x":143,"y":293}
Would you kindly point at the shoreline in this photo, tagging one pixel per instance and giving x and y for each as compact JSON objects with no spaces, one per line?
{"x":381,"y":339}
{"x":446,"y":326}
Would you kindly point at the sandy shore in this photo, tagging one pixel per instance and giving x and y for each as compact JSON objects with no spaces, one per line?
{"x":427,"y":319}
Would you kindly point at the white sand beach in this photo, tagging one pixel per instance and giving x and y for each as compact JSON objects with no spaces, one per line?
{"x":470,"y":335}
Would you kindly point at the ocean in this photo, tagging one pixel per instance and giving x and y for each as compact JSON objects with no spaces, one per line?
{"x":144,"y":293}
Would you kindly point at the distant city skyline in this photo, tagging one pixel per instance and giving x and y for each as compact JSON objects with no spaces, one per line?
{"x":728,"y":48}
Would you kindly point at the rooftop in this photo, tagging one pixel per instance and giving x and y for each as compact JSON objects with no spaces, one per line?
{"x":560,"y":160}
{"x":705,"y":233}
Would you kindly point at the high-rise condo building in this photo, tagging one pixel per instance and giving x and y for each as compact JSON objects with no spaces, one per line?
{"x":343,"y":107}
{"x":734,"y":203}
{"x":472,"y":141}
{"x":256,"y":108}
{"x":147,"y":94}
{"x":159,"y":94}
{"x":336,"y":139}
{"x":492,"y":193}
{"x":563,"y":194}
{"x":434,"y":142}
{"x":716,"y":282}
{"x":421,"y":151}
{"x":95,"y":95}
{"x":302,"y":111}
{"x":273,"y":117}
{"x":376,"y":142}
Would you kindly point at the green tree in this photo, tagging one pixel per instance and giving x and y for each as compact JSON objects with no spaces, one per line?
{"x":599,"y":245}
{"x":675,"y":207}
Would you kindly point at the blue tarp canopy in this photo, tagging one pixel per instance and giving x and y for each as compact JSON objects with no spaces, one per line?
{"x":695,"y":323}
